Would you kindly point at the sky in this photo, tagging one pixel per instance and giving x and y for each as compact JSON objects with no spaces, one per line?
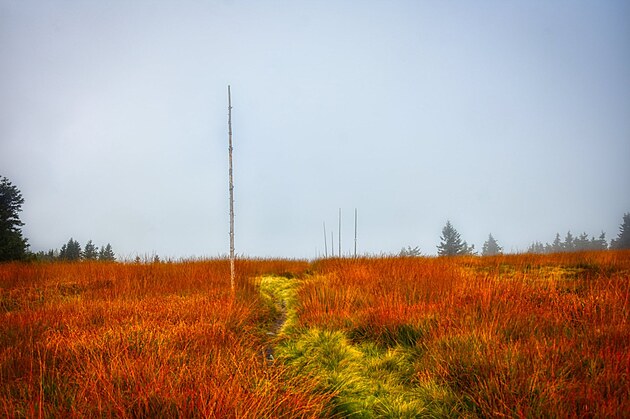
{"x":504,"y":117}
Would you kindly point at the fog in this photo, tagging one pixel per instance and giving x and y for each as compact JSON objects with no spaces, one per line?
{"x":510,"y":118}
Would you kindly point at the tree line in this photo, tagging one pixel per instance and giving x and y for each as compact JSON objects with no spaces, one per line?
{"x":14,"y":246}
{"x":451,"y":243}
{"x":71,"y":251}
{"x":571,"y":244}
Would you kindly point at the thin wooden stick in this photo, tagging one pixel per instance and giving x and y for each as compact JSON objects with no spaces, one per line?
{"x":332,"y":245}
{"x":339,"y":232}
{"x":325,"y":244}
{"x":355,"y":233}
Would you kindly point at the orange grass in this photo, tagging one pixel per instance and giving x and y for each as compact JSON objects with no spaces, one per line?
{"x":519,"y":335}
{"x":142,"y":340}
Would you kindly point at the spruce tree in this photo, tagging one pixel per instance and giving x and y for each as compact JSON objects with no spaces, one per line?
{"x":600,"y":243}
{"x":623,"y":239}
{"x":410,"y":251}
{"x":537,"y":247}
{"x":582,"y":242}
{"x":568,"y":245}
{"x":70,"y":251}
{"x":491,"y":247}
{"x":106,"y":253}
{"x":451,"y":242}
{"x":556,"y":246}
{"x":90,"y":252}
{"x":13,"y":245}
{"x":63,"y":252}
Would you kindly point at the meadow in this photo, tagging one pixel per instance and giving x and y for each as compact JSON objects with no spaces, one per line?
{"x":504,"y":336}
{"x":141,"y":340}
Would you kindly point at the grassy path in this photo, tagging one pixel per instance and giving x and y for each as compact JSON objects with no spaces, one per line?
{"x":366,"y":380}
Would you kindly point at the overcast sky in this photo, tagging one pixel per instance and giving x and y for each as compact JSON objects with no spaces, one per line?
{"x":504,"y":117}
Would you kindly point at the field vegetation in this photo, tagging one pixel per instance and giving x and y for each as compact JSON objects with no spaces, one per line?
{"x":519,"y":335}
{"x":102,"y":339}
{"x":513,"y":335}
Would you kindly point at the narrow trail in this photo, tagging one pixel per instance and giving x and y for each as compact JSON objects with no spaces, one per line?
{"x":280,"y":320}
{"x":366,"y":380}
{"x":278,"y":290}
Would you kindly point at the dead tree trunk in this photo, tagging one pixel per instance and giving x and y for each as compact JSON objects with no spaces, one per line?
{"x":231,"y":179}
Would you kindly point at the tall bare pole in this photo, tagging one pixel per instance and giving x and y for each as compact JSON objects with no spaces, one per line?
{"x":355,"y":232}
{"x":232,"y":273}
{"x":339,"y":232}
{"x":332,"y":245}
{"x":325,"y":244}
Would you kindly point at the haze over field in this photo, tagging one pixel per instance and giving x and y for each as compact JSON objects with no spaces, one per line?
{"x":506,"y":118}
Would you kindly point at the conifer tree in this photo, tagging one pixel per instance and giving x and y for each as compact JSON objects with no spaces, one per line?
{"x":556,"y":246}
{"x":568,"y":245}
{"x":600,"y":243}
{"x":70,"y":251}
{"x":90,"y":252}
{"x":106,"y":253}
{"x":623,"y":239}
{"x":13,"y":245}
{"x":491,"y":247}
{"x":410,"y":251}
{"x":451,"y":242}
{"x":537,"y":247}
{"x":582,"y":242}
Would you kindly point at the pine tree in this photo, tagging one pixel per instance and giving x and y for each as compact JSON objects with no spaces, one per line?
{"x":70,"y":251}
{"x":623,"y":239}
{"x":13,"y":245}
{"x":491,"y":247}
{"x":451,"y":242}
{"x":556,"y":246}
{"x":537,"y":247}
{"x":468,"y":250}
{"x":90,"y":252}
{"x":568,"y":245}
{"x":600,"y":243}
{"x":410,"y":251}
{"x":581,"y":242}
{"x":106,"y":253}
{"x":63,"y":252}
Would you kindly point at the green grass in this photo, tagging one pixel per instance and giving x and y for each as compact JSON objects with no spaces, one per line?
{"x":280,"y":292}
{"x":366,"y":379}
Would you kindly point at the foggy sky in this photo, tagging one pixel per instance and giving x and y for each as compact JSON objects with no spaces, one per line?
{"x":510,"y":118}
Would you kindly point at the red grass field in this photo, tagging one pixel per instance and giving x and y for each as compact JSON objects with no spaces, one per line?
{"x":522,"y":335}
{"x":135,"y":340}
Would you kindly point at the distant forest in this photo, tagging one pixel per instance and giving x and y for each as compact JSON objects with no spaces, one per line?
{"x":14,"y":246}
{"x":451,"y":243}
{"x":570,"y":244}
{"x":72,"y":251}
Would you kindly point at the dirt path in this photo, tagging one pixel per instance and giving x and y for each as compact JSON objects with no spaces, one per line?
{"x":280,"y":320}
{"x":278,"y":290}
